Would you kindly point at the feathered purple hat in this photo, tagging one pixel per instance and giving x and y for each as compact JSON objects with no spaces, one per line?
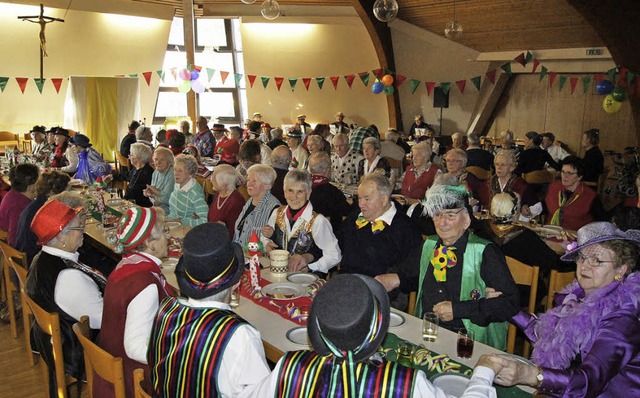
{"x":597,"y":232}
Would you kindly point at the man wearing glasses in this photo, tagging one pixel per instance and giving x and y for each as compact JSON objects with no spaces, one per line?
{"x":456,"y":271}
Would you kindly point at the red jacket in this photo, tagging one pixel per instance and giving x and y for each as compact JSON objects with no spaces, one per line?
{"x":577,"y":212}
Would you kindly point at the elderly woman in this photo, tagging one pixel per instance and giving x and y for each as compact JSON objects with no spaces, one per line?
{"x":508,"y":142}
{"x":162,"y":179}
{"x":372,"y":160}
{"x":50,"y":183}
{"x":228,"y":203}
{"x":248,"y":155}
{"x":41,"y":148}
{"x":144,"y":136}
{"x":59,"y":283}
{"x":141,"y":174}
{"x":588,"y":345}
{"x":307,"y":235}
{"x":421,"y":174}
{"x":260,"y":205}
{"x":64,"y":156}
{"x":91,"y":165}
{"x":133,"y":293}
{"x":570,"y":203}
{"x":185,"y":128}
{"x":23,"y":179}
{"x":533,"y":157}
{"x":506,"y":181}
{"x":456,"y":162}
{"x":187,"y":202}
{"x":315,"y":143}
{"x":299,"y":155}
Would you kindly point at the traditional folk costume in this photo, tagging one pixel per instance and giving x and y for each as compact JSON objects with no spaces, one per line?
{"x":415,"y":185}
{"x":570,"y":210}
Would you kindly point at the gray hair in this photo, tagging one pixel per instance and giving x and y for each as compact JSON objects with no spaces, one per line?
{"x":265,"y":173}
{"x":316,"y":139}
{"x":380,"y":181}
{"x":441,"y":197}
{"x":506,"y":135}
{"x":281,"y":155}
{"x":276,"y":133}
{"x":424,"y":147}
{"x":507,"y":154}
{"x":165,"y":151}
{"x":157,"y":231}
{"x":374,"y":142}
{"x":459,"y":152}
{"x":340,"y":136}
{"x":298,"y":177}
{"x":74,"y":201}
{"x":319,"y":163}
{"x":473,"y":138}
{"x":144,"y":133}
{"x":141,"y":151}
{"x":226,"y":176}
{"x":391,"y":135}
{"x":190,"y":163}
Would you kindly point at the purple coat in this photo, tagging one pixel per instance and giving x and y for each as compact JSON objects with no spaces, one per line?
{"x":606,"y":361}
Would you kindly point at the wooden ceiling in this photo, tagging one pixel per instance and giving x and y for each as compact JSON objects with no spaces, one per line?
{"x":489,"y":25}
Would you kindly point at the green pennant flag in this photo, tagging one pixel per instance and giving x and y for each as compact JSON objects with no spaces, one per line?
{"x":40,"y":83}
{"x":612,"y":74}
{"x":445,"y":86}
{"x":507,"y":68}
{"x":389,"y":72}
{"x":133,"y":75}
{"x":413,"y":83}
{"x":630,"y":77}
{"x":562,"y":80}
{"x":160,"y":73}
{"x":210,"y":73}
{"x":320,"y":81}
{"x":586,"y":82}
{"x":543,"y":72}
{"x":265,"y":81}
{"x":528,"y":57}
{"x":476,"y":82}
{"x":237,"y":77}
{"x":292,"y":82}
{"x":364,"y":76}
{"x":3,"y":83}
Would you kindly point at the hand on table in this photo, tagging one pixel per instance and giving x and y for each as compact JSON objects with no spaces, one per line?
{"x":389,"y":281}
{"x":297,"y":262}
{"x":514,"y":372}
{"x":444,"y":310}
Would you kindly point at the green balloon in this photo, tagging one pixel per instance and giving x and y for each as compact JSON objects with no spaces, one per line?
{"x":388,"y":90}
{"x":619,"y":94}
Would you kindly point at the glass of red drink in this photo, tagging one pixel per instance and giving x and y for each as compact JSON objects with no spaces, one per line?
{"x":465,"y":343}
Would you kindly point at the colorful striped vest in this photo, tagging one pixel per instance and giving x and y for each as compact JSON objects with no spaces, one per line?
{"x":304,"y":374}
{"x":186,"y":349}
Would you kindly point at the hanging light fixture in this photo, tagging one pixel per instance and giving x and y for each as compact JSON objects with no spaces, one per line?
{"x":385,"y":10}
{"x":453,"y":29}
{"x":248,"y":1}
{"x":270,"y":9}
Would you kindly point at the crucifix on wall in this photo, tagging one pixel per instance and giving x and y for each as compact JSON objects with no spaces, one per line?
{"x":43,"y":20}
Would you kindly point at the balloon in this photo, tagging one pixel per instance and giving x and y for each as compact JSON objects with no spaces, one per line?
{"x":197,"y":86}
{"x":184,"y":86}
{"x":610,"y":105}
{"x":604,"y":87}
{"x":185,"y":74}
{"x":619,"y":94}
{"x":387,"y":80}
{"x":389,"y":90}
{"x":377,"y":88}
{"x":195,"y":75}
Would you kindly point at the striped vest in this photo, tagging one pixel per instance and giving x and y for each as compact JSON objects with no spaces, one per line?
{"x":186,"y":349}
{"x":304,"y":374}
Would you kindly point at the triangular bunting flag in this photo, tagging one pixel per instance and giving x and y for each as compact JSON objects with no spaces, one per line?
{"x":134,"y":75}
{"x":196,"y":67}
{"x":561,"y":82}
{"x":445,"y":86}
{"x":292,"y":82}
{"x":210,"y":73}
{"x":320,"y":81}
{"x":543,"y":73}
{"x":622,"y":77}
{"x":160,"y":73}
{"x":586,"y":82}
{"x":507,"y":68}
{"x":278,"y":81}
{"x":630,"y":77}
{"x":224,"y":75}
{"x":388,"y":72}
{"x":476,"y":82}
{"x":349,"y":79}
{"x":528,"y":57}
{"x":552,"y":78}
{"x":612,"y":73}
{"x":22,"y":82}
{"x":3,"y":83}
{"x":597,"y":78}
{"x":461,"y":85}
{"x":147,"y":77}
{"x":306,"y":81}
{"x":57,"y":82}
{"x":535,"y":65}
{"x":491,"y":75}
{"x":399,"y":80}
{"x":520,"y":59}
{"x":252,"y":79}
{"x":413,"y":84}
{"x":364,"y":76}
{"x":430,"y":86}
{"x":334,"y":81}
{"x":378,"y":73}
{"x":237,"y":77}
{"x":39,"y":83}
{"x":573,"y":82}
{"x":265,"y":81}
{"x":174,"y":73}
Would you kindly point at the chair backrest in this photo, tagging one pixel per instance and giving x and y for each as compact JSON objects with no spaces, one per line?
{"x":138,"y":384}
{"x":479,"y":172}
{"x":243,"y":191}
{"x":412,"y":302}
{"x":98,"y":360}
{"x":9,"y":139}
{"x":539,"y":177}
{"x":26,"y":313}
{"x":395,"y":163}
{"x":9,"y":252}
{"x":527,"y":275}
{"x":123,"y":161}
{"x":557,"y":281}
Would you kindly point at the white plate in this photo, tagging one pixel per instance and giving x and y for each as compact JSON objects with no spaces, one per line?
{"x":396,"y":320}
{"x":549,"y":230}
{"x":298,"y":336}
{"x":302,"y":278}
{"x":115,"y":202}
{"x":172,"y":224}
{"x":453,"y":384}
{"x":169,"y":263}
{"x":517,"y":358}
{"x":284,"y":291}
{"x":76,"y":182}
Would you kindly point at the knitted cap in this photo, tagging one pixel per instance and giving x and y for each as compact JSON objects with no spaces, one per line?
{"x":135,"y":226}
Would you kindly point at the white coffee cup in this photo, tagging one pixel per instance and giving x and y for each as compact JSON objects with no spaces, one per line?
{"x":279,"y":261}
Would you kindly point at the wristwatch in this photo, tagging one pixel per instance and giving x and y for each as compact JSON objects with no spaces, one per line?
{"x":539,"y":377}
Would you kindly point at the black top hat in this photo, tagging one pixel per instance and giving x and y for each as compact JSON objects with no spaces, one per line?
{"x":350,"y":313}
{"x":38,"y":129}
{"x":61,"y":131}
{"x":80,"y":140}
{"x":210,"y":262}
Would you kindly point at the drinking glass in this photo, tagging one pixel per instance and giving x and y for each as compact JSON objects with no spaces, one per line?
{"x":235,"y":297}
{"x":404,"y":352}
{"x":465,"y":343}
{"x":430,"y":322}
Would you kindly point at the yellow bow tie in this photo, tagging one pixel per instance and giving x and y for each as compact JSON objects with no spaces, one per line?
{"x":376,"y":226}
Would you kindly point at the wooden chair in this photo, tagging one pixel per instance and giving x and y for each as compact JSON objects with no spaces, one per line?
{"x":96,"y":359}
{"x":138,"y":384}
{"x":8,"y":139}
{"x":557,"y":281}
{"x":412,"y":302}
{"x":26,"y":313}
{"x":7,"y":253}
{"x":26,"y":143}
{"x":523,"y":274}
{"x":539,"y":177}
{"x":479,"y":172}
{"x":122,"y":167}
{"x":243,"y":191}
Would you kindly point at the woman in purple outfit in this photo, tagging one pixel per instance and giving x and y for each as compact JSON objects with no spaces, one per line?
{"x":589,"y":344}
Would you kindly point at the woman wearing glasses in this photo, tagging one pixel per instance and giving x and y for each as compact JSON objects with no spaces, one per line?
{"x":588,"y":345}
{"x":570,"y":203}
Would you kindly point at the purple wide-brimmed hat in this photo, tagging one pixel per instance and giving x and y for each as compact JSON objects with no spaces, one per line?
{"x":598,"y":232}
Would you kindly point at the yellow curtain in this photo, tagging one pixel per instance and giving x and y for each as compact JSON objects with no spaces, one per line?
{"x":102,"y":115}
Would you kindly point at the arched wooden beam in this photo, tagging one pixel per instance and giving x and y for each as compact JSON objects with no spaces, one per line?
{"x":381,"y":37}
{"x":616,"y":22}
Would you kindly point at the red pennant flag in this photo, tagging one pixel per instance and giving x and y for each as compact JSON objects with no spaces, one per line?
{"x":552,"y":78}
{"x":598,"y":77}
{"x":334,"y":81}
{"x":399,"y":80}
{"x":22,"y":82}
{"x":57,"y":82}
{"x":198,"y":68}
{"x":573,"y":82}
{"x":461,"y":84}
{"x":491,"y":75}
{"x":430,"y":86}
{"x":535,"y":65}
{"x":306,"y":81}
{"x":147,"y":77}
{"x":278,"y":81}
{"x":223,"y":76}
{"x":520,"y":59}
{"x":622,"y":77}
{"x":349,"y":79}
{"x":252,"y":79}
{"x":379,"y":73}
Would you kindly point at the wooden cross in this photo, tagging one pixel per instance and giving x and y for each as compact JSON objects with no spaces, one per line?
{"x":43,"y":20}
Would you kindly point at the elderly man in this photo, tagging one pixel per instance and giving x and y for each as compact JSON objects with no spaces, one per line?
{"x":556,"y":151}
{"x":280,"y":161}
{"x":129,"y":139}
{"x":357,"y":137}
{"x":325,"y":197}
{"x":204,"y":140}
{"x":457,"y":270}
{"x":390,"y":148}
{"x":344,"y":162}
{"x":208,"y":271}
{"x":339,"y":126}
{"x":418,"y":123}
{"x":477,"y":156}
{"x":144,"y":135}
{"x":276,"y":139}
{"x":302,"y":125}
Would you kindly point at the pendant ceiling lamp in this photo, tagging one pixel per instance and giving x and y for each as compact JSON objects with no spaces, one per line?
{"x":385,"y":10}
{"x":270,"y":9}
{"x":453,"y":29}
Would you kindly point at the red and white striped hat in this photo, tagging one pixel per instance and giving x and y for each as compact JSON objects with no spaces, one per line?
{"x":135,"y":226}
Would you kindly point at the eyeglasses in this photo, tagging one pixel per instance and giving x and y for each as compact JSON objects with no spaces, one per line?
{"x":502,"y":165}
{"x":449,"y":215}
{"x":453,"y":160}
{"x":593,"y":262}
{"x":75,"y":229}
{"x":569,"y":173}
